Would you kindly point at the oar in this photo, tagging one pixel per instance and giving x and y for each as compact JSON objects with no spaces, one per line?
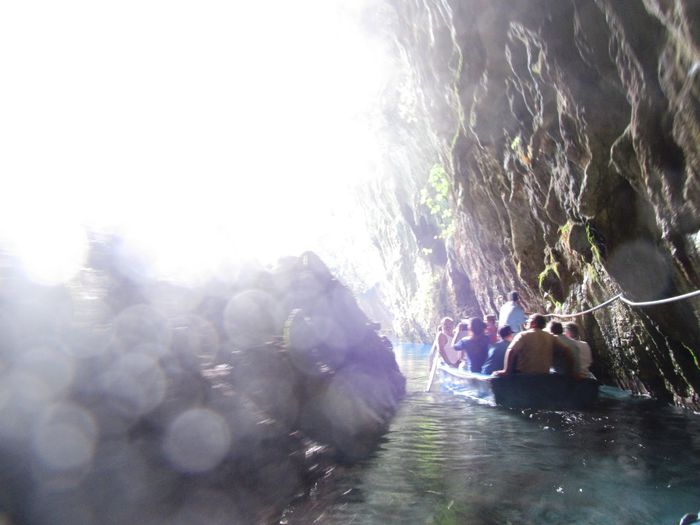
{"x":433,"y":369}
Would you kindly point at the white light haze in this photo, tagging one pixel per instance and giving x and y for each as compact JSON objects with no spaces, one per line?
{"x":201,"y":131}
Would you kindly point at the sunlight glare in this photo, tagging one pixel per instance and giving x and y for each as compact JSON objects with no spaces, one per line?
{"x":206,"y":131}
{"x":51,"y":251}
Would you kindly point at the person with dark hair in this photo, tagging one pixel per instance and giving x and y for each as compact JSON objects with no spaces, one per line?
{"x":556,"y":329}
{"x":512,"y":314}
{"x":584,"y":354}
{"x":474,"y":347}
{"x":497,"y":352}
{"x":491,"y":329}
{"x":533,"y":351}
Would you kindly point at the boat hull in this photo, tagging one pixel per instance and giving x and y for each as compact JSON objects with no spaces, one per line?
{"x":550,"y":391}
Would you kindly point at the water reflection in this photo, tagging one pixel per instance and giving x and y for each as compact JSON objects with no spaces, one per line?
{"x":447,"y":460}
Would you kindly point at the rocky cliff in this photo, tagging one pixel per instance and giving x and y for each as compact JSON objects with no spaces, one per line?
{"x":568,"y":131}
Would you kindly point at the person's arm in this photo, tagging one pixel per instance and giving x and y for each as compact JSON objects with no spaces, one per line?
{"x":442,"y":341}
{"x":460,"y":330}
{"x":457,"y":342}
{"x":585,"y":357}
{"x":459,"y":333}
{"x":522,"y":319}
{"x":569,"y":357}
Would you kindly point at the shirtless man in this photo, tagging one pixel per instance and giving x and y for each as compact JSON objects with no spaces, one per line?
{"x":532,"y":351}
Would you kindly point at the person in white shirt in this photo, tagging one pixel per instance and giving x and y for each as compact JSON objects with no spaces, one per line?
{"x":441,"y":347}
{"x":512,"y":314}
{"x":585,"y":356}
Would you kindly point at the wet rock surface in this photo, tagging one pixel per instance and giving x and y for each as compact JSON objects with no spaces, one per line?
{"x":569,"y":133}
{"x":126,"y":401}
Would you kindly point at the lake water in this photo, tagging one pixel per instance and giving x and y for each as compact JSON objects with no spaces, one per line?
{"x":447,"y":460}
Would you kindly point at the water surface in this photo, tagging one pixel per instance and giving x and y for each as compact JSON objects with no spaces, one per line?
{"x":448,"y":460}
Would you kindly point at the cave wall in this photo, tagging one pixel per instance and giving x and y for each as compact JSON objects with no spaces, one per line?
{"x":569,"y":131}
{"x":424,"y":278}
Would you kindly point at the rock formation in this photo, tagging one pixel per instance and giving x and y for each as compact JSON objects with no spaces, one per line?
{"x":128,"y":400}
{"x":569,"y":133}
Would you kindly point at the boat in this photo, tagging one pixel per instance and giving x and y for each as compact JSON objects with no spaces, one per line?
{"x":549,"y":391}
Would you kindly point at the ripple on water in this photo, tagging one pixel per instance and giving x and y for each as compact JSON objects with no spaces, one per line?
{"x":447,"y":460}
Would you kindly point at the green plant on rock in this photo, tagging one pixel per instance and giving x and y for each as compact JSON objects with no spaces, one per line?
{"x":565,"y":233}
{"x":692,"y":354}
{"x":522,"y":153}
{"x":592,"y":273}
{"x":536,"y":68}
{"x":515,"y":144}
{"x":593,"y":267}
{"x":551,"y":266}
{"x":436,"y":197}
{"x":594,"y":245}
{"x":551,"y":303}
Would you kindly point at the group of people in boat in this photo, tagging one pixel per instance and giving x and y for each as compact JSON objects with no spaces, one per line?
{"x":518,"y":344}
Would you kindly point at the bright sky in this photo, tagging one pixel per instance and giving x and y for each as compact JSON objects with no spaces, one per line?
{"x":201,"y":130}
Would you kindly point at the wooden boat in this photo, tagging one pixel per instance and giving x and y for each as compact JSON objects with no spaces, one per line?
{"x":550,"y":391}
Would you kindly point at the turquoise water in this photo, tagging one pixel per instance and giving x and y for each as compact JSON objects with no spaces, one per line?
{"x":447,"y":460}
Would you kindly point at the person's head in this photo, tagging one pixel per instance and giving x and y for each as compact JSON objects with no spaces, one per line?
{"x":513,"y":296}
{"x":476,"y":326}
{"x":447,"y":324}
{"x":490,"y":319}
{"x":555,"y":327}
{"x":537,"y":321}
{"x":571,"y":330}
{"x":505,"y":332}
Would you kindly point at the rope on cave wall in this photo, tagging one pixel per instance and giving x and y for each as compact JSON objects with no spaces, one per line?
{"x":630,"y":303}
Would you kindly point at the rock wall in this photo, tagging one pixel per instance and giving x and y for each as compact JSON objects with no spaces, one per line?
{"x":569,"y":131}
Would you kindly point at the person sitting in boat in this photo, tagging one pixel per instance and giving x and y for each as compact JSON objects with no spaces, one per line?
{"x":497,"y":352}
{"x":441,"y":347}
{"x":491,"y":329}
{"x":557,"y":330}
{"x":533,"y":351}
{"x":474,"y":347}
{"x":512,"y":314}
{"x":584,"y":354}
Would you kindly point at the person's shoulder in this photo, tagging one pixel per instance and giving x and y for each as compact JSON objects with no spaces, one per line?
{"x":500,"y":345}
{"x":568,"y":341}
{"x":583,"y":344}
{"x":520,"y":335}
